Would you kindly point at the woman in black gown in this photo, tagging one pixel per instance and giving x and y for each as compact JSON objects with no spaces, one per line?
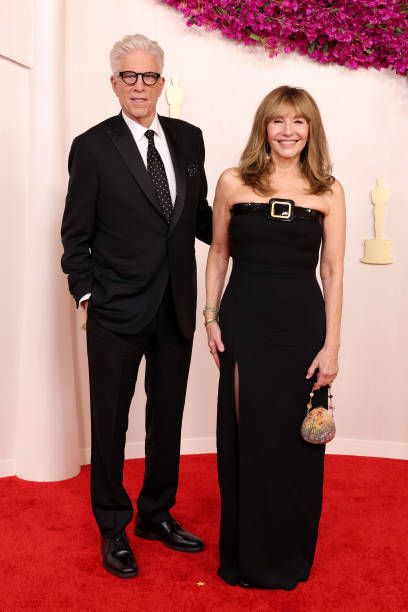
{"x":274,"y":338}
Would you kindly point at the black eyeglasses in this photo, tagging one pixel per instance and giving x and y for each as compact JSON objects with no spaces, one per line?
{"x":130,"y":78}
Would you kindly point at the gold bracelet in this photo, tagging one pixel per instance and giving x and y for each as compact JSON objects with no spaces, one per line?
{"x":213,"y":309}
{"x":213,"y":320}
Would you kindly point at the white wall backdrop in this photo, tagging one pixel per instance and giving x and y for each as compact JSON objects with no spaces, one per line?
{"x":366,"y":119}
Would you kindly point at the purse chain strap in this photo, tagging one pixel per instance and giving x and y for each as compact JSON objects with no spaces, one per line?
{"x":331,"y":405}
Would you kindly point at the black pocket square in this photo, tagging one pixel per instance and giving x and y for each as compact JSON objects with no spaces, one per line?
{"x":192,"y":169}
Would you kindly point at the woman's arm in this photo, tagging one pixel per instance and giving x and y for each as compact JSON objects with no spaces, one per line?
{"x":217,"y":261}
{"x":331,"y":273}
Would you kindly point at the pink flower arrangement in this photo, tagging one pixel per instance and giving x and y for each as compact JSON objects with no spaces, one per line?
{"x":352,"y":33}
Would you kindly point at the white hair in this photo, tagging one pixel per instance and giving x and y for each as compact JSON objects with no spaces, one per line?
{"x":135,"y":42}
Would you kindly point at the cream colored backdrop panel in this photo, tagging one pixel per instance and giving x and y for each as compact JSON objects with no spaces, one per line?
{"x":366,"y":117}
{"x":38,"y":394}
{"x":13,"y":195}
{"x":17,"y":30}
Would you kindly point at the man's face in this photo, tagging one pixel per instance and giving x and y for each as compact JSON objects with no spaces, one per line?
{"x":138,"y":101}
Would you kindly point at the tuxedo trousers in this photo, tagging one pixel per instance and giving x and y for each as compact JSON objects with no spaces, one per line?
{"x":114,"y":360}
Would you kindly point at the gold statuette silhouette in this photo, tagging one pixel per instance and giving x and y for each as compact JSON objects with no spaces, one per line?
{"x":377,"y":250}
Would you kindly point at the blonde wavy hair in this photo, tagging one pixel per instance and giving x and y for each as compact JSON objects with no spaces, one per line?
{"x":255,"y":164}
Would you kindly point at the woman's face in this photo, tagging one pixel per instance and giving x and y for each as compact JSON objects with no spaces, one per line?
{"x":287,"y":134}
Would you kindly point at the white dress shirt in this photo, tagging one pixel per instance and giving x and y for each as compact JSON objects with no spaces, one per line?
{"x":160,"y":142}
{"x":138,"y":133}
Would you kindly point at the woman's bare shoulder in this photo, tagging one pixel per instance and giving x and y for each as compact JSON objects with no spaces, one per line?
{"x":337,"y":190}
{"x":228,"y":184}
{"x":230,"y":177}
{"x":334,"y":198}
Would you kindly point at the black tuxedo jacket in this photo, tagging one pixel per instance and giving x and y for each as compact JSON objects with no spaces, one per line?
{"x":117,"y":242}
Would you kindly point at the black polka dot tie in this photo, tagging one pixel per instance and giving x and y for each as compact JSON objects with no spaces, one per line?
{"x":155,"y":168}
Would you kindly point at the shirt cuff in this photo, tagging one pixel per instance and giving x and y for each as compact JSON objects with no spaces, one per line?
{"x":84,"y":297}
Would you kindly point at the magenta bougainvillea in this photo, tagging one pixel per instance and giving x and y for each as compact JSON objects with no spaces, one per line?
{"x":353,"y":33}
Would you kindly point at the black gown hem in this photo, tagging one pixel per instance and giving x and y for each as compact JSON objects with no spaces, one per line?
{"x":232,"y":578}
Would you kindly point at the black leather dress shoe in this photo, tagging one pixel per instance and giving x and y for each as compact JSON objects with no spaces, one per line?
{"x":170,"y":532}
{"x":117,"y":556}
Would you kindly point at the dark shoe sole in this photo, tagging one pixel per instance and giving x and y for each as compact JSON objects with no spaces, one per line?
{"x":118,"y":573}
{"x":152,"y":536}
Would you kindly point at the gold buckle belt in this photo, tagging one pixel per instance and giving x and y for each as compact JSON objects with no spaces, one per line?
{"x":281,"y":209}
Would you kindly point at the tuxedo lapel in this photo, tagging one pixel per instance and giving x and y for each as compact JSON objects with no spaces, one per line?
{"x":173,"y":141}
{"x":123,"y":140}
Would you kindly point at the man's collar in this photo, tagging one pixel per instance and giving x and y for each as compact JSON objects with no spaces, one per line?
{"x":139,"y":130}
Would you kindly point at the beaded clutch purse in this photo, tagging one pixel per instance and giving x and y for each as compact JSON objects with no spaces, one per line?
{"x":318,"y":426}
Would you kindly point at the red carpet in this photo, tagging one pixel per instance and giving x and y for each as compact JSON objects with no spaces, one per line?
{"x":49,"y":554}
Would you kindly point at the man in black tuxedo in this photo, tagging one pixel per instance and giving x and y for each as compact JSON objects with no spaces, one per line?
{"x":136,"y":201}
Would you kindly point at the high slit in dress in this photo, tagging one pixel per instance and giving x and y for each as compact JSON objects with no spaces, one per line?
{"x":272,"y":320}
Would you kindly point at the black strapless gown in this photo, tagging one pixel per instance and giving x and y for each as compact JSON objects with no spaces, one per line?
{"x":272,"y":319}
